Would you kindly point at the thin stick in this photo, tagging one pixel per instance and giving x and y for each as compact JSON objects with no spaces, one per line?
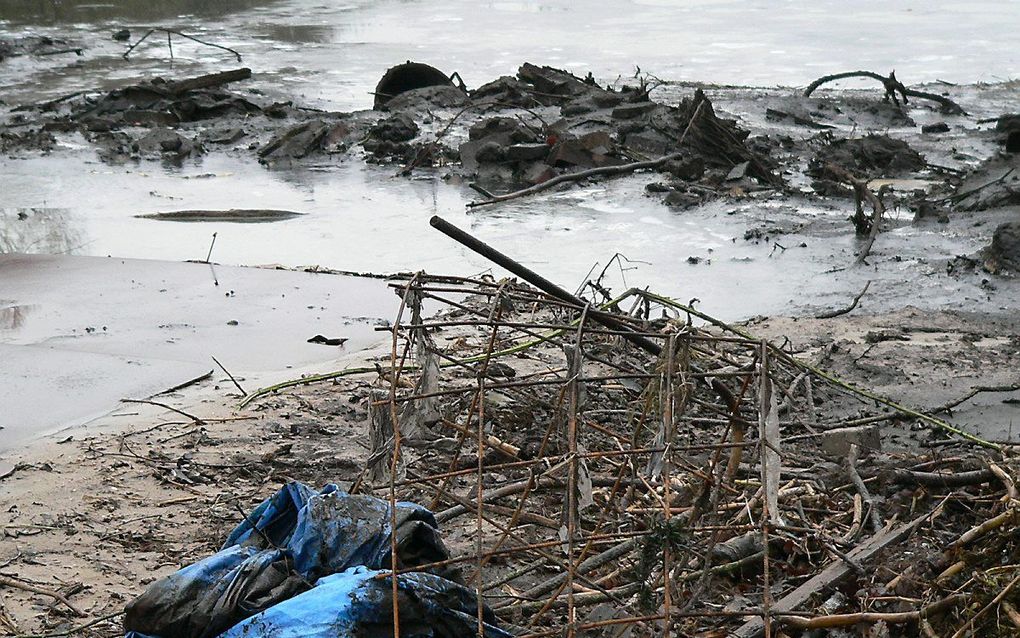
{"x":74,"y":630}
{"x":984,"y":610}
{"x":862,"y":489}
{"x":194,"y":418}
{"x":17,"y":584}
{"x":232,"y":379}
{"x":213,"y":243}
{"x":845,"y":620}
{"x":842,"y":311}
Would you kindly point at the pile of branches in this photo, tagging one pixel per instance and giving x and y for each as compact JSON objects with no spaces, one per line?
{"x":614,"y":467}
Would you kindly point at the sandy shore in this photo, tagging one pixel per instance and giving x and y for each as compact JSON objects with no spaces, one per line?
{"x":98,"y":513}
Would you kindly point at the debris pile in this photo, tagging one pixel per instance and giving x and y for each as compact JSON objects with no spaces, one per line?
{"x":613,"y":467}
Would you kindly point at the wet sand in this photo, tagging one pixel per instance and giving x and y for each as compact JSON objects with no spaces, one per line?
{"x":77,"y":334}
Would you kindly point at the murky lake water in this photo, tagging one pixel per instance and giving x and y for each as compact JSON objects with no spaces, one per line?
{"x":330,"y":55}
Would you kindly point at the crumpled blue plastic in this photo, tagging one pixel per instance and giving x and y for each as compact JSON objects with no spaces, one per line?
{"x":287,"y":544}
{"x":356,"y":601}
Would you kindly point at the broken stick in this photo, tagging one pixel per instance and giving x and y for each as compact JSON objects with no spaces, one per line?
{"x":843,"y":311}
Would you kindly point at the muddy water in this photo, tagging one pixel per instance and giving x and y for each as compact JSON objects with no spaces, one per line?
{"x":361,"y":218}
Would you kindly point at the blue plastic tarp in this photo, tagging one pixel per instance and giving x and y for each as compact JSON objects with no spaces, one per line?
{"x":284,"y":548}
{"x":358,"y":603}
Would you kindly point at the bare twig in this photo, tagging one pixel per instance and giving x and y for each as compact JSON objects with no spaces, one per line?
{"x":232,"y":379}
{"x":842,"y":311}
{"x":18,"y":584}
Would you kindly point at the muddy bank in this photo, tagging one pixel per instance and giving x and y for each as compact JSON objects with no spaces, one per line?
{"x":102,"y":514}
{"x":78,"y":334}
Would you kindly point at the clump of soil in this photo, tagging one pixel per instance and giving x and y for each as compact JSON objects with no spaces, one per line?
{"x":869,"y":157}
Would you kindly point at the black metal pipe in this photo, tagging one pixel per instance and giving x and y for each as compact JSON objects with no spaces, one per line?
{"x":541,"y":282}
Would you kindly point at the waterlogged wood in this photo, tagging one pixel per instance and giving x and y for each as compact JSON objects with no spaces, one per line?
{"x":234,"y":215}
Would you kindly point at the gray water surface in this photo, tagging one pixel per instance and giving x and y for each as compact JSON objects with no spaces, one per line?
{"x":362,"y":218}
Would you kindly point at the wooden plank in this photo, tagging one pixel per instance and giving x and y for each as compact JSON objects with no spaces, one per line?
{"x":832,"y":574}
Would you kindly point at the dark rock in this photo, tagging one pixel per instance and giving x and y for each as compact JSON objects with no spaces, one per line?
{"x":938,"y":127}
{"x":657,"y":187}
{"x":577,"y":107}
{"x":1008,"y":123}
{"x":870,"y":156}
{"x":588,"y":151}
{"x":1004,"y":252}
{"x":163,"y":142}
{"x":227,"y":135}
{"x":691,"y":168}
{"x":295,"y":141}
{"x":606,"y":99}
{"x":98,"y":124}
{"x":33,"y":139}
{"x":555,"y":81}
{"x":1013,"y":142}
{"x":636,"y":109}
{"x":395,"y":128}
{"x":490,"y":152}
{"x":801,"y":119}
{"x":498,"y":125}
{"x":142,"y":117}
{"x":506,"y":90}
{"x":527,"y":152}
{"x":648,"y":142}
{"x":122,"y":35}
{"x":681,"y":199}
{"x":538,"y":173}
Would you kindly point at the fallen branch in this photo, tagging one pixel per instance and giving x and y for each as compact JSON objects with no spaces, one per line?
{"x":194,"y":418}
{"x":940,"y":479}
{"x":843,"y":311}
{"x":17,"y":584}
{"x":207,"y":81}
{"x":892,"y":87}
{"x":845,"y":620}
{"x":974,"y":392}
{"x":592,"y":172}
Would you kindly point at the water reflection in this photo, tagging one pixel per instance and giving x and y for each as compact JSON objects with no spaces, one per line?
{"x":39,"y":230}
{"x":57,"y":11}
{"x":296,"y":33}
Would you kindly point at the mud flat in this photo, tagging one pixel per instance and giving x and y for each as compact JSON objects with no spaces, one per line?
{"x":80,"y":333}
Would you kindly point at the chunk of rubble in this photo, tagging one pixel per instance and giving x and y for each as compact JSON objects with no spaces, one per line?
{"x":1003,"y":254}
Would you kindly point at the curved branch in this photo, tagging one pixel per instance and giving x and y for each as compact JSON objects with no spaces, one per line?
{"x":892,"y":87}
